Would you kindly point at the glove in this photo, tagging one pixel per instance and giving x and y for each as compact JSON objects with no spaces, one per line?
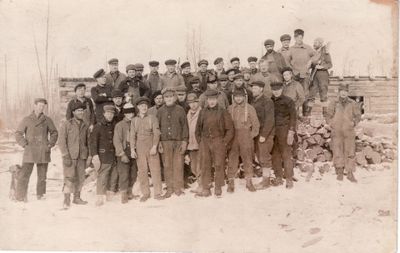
{"x":262,"y":139}
{"x":89,"y":162}
{"x":182,"y":148}
{"x":160,"y":148}
{"x":290,"y":137}
{"x":153,"y":150}
{"x":125,"y":159}
{"x":67,"y":161}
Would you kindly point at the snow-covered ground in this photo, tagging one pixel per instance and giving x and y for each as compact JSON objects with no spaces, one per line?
{"x":322,"y":215}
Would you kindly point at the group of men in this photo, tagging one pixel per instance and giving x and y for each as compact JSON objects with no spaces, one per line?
{"x":138,"y":127}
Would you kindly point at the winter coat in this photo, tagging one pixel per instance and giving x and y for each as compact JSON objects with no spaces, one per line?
{"x":74,"y":139}
{"x":101,"y":141}
{"x":192,"y":121}
{"x":343,"y":115}
{"x":115,"y":79}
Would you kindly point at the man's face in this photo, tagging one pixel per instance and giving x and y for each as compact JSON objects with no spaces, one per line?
{"x":212,"y":86}
{"x":139,"y":72}
{"x":171,"y":68}
{"x":343,"y":93}
{"x":39,"y":107}
{"x":181,"y":96}
{"x":287,"y":76}
{"x":113,"y":67}
{"x":277,"y":93}
{"x":78,"y":113}
{"x":298,"y":39}
{"x":238,"y":82}
{"x":264,"y":67}
{"x":169,"y":98}
{"x":117,"y":101}
{"x":101,"y":80}
{"x":246,"y":76}
{"x":253,"y":65}
{"x":80,"y":92}
{"x":194,"y":106}
{"x":230,"y":75}
{"x":109,"y":115}
{"x":220,"y":66}
{"x":196,"y":86}
{"x":203,"y":67}
{"x":186,"y":70}
{"x":159,"y":100}
{"x":238,"y":99}
{"x":286,"y":43}
{"x":269,"y":48}
{"x":317,"y":44}
{"x":257,"y":90}
{"x":223,"y":83}
{"x":129,"y":116}
{"x":212,"y":101}
{"x":236,"y":64}
{"x":131,"y":73}
{"x":143,"y":108}
{"x":154,"y":69}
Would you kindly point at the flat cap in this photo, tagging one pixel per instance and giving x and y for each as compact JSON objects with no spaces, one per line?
{"x":185,"y":65}
{"x":269,"y":42}
{"x":99,"y":73}
{"x":287,"y":69}
{"x":167,"y":90}
{"x":252,"y":59}
{"x":258,"y":83}
{"x":211,"y":93}
{"x":109,"y":108}
{"x":211,"y":79}
{"x":142,"y":100}
{"x":298,"y":32}
{"x":344,"y":86}
{"x":117,"y":94}
{"x":218,"y":60}
{"x":180,"y":89}
{"x":130,"y":67}
{"x":79,"y":85}
{"x":239,"y":92}
{"x":113,"y":61}
{"x":76,"y":106}
{"x":235,"y":59}
{"x":223,"y":77}
{"x":235,"y":71}
{"x":192,"y":97}
{"x":246,"y":70}
{"x":139,"y":66}
{"x":276,"y":85}
{"x":194,"y":79}
{"x":40,"y":100}
{"x":128,"y":108}
{"x":285,"y":37}
{"x":156,"y":94}
{"x":170,"y":62}
{"x":238,"y":76}
{"x":201,"y":62}
{"x":153,"y":63}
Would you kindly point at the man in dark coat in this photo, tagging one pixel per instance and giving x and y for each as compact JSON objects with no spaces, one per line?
{"x":118,"y":101}
{"x":275,"y":59}
{"x":88,"y":116}
{"x":203,"y":74}
{"x":114,"y":77}
{"x":214,"y":133}
{"x":153,"y":79}
{"x":102,"y":149}
{"x":73,"y":144}
{"x":37,"y":135}
{"x":187,"y":76}
{"x":101,"y":93}
{"x":133,"y":87}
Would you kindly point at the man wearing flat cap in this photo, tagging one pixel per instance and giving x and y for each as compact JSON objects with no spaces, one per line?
{"x":74,"y":146}
{"x":343,"y":115}
{"x":126,"y":164}
{"x":219,"y":66}
{"x":238,"y":83}
{"x":174,"y":138}
{"x":247,"y":126}
{"x":171,"y":79}
{"x":114,"y":77}
{"x":101,"y":93}
{"x":157,"y":101}
{"x":153,"y":79}
{"x":139,"y":71}
{"x":284,"y":50}
{"x":103,"y":152}
{"x":264,"y":76}
{"x":285,"y":126}
{"x":133,"y":86}
{"x":265,"y":140}
{"x":231,"y":73}
{"x":181,"y":93}
{"x":203,"y":74}
{"x":275,"y":59}
{"x":235,"y":63}
{"x":37,"y":134}
{"x":186,"y":74}
{"x":293,"y":89}
{"x":252,"y":65}
{"x":194,"y":84}
{"x":88,"y":116}
{"x":224,"y":85}
{"x":118,"y":101}
{"x":222,"y":99}
{"x":214,"y":133}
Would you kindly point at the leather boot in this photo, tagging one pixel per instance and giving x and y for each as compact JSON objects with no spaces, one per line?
{"x":77,"y":199}
{"x":278,"y":181}
{"x":289,"y":183}
{"x":339,"y":172}
{"x":100,"y":200}
{"x":350,"y":177}
{"x":144,"y":198}
{"x":131,"y":195}
{"x":124,"y":197}
{"x":67,"y":200}
{"x":249,"y":185}
{"x":204,"y":193}
{"x":231,"y":185}
{"x":264,"y":184}
{"x":218,"y":191}
{"x":168,"y":194}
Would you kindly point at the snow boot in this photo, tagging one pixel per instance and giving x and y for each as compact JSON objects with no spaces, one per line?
{"x":204,"y":193}
{"x":289,"y":183}
{"x":350,"y":177}
{"x":249,"y":185}
{"x":218,"y":191}
{"x":77,"y":199}
{"x":124,"y":197}
{"x":339,"y":172}
{"x":231,"y":185}
{"x":278,"y":181}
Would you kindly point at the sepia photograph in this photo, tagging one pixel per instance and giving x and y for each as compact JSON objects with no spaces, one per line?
{"x":264,"y":126}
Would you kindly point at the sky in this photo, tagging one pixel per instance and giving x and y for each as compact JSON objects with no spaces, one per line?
{"x":84,"y":34}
